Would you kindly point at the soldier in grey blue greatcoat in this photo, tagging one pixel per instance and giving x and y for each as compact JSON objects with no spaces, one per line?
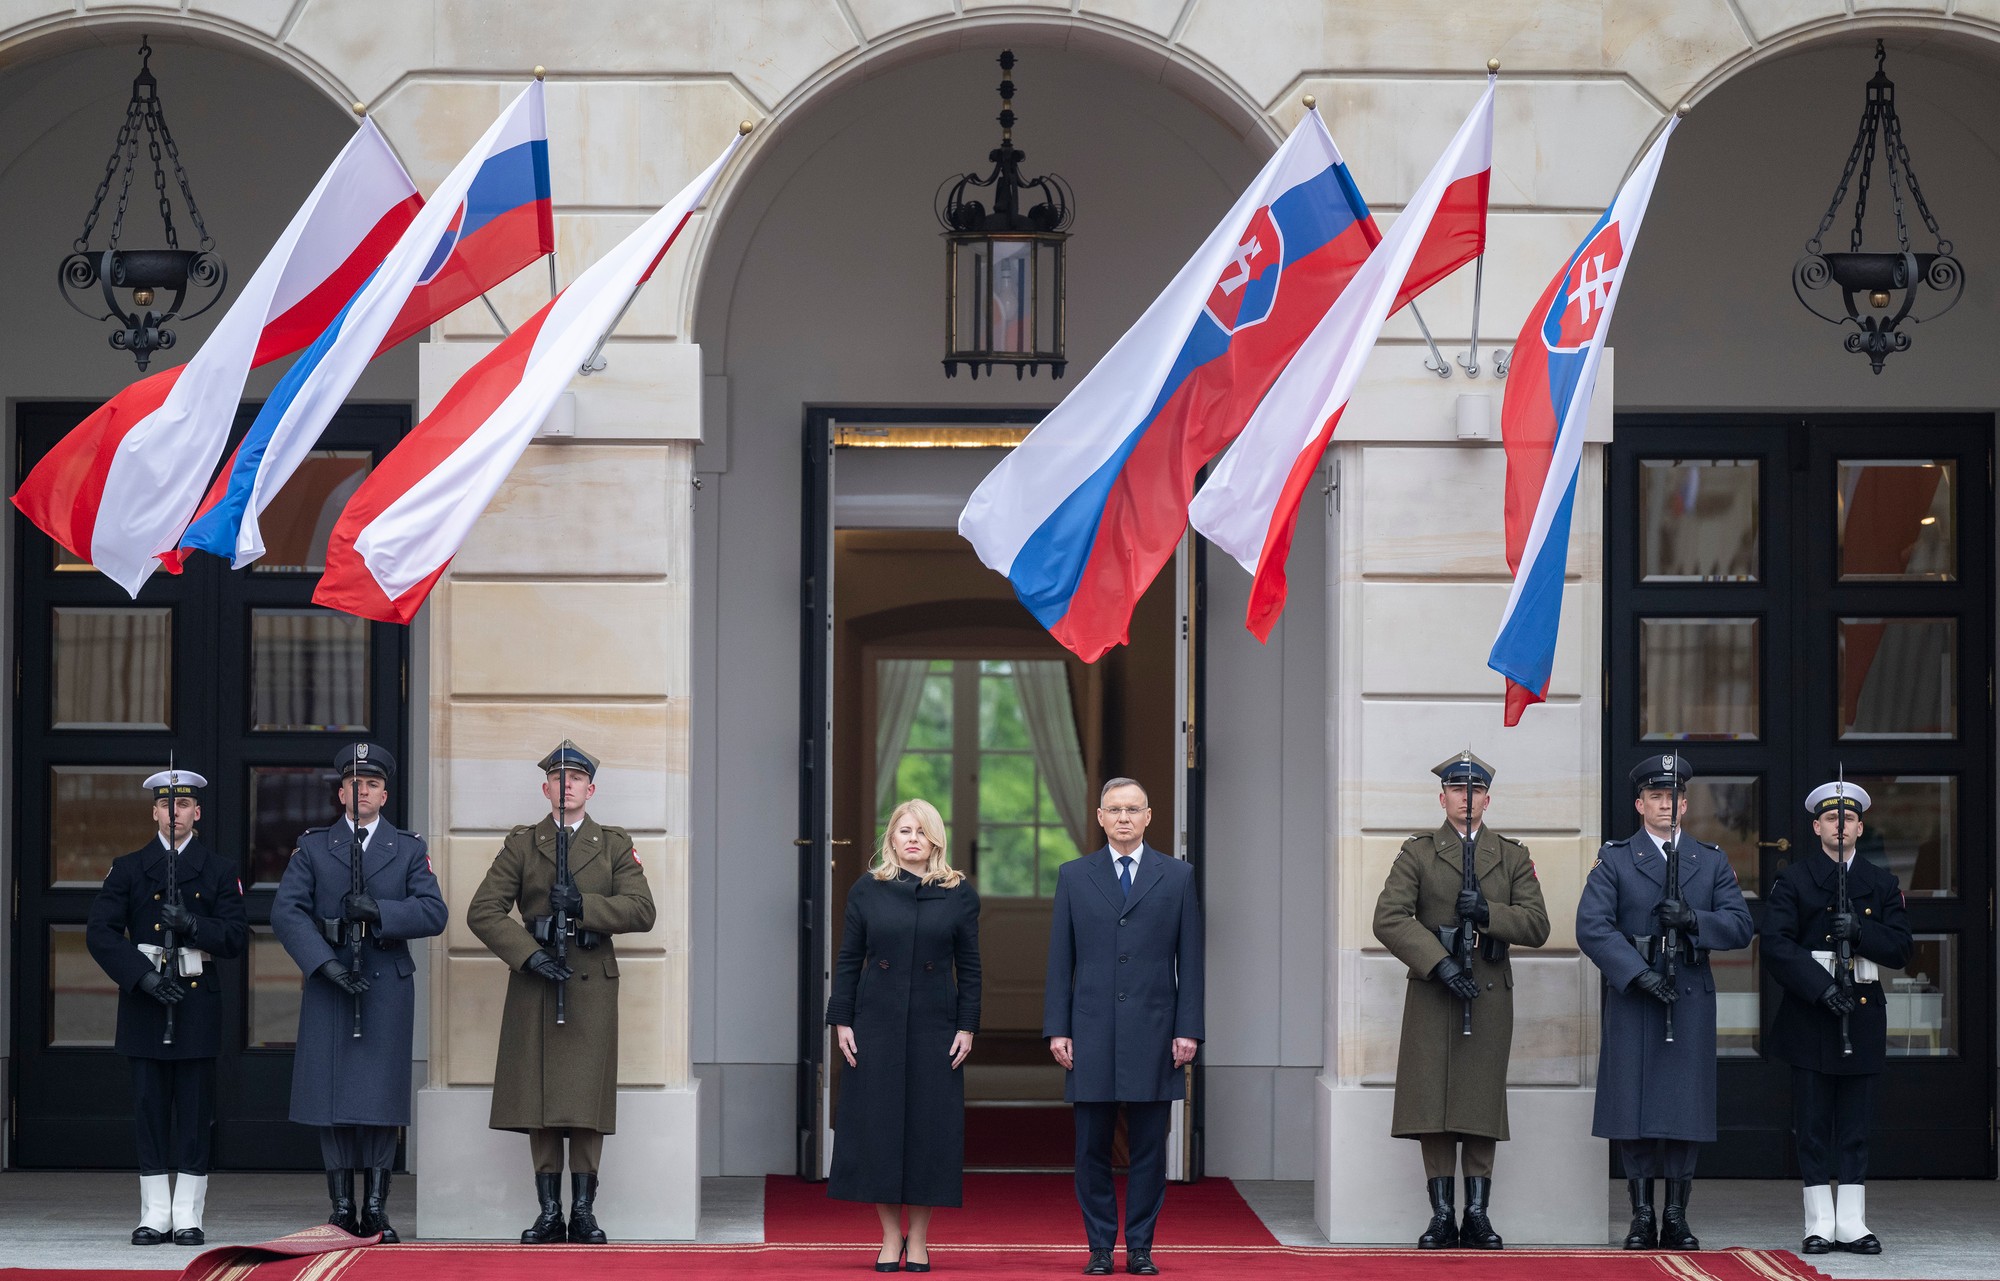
{"x":355,"y":1088}
{"x":1655,"y":1097}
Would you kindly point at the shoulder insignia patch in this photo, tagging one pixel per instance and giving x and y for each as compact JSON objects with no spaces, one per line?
{"x":1595,"y":864}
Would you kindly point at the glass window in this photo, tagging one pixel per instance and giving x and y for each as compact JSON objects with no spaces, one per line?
{"x":1727,"y":810}
{"x":285,"y":800}
{"x":1698,"y":678}
{"x":299,"y":519}
{"x":275,"y":990}
{"x":1739,"y":1014}
{"x":113,"y":668}
{"x":1898,"y":677}
{"x":1912,"y":829}
{"x":308,"y":670}
{"x":83,"y":1001}
{"x":1897,"y":520}
{"x":1923,"y":1000}
{"x":1698,"y":520}
{"x":97,"y":812}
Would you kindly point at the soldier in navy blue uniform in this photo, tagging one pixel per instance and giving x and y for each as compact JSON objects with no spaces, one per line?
{"x":1833,"y":1081}
{"x":356,"y":1089}
{"x":173,"y":1081}
{"x":1656,"y":1098}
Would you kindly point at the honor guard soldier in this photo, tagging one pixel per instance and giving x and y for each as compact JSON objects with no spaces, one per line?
{"x":575,"y":883}
{"x":351,"y":899}
{"x":1455,"y":901}
{"x":1831,"y":924}
{"x":1654,"y":906}
{"x":165,"y":913}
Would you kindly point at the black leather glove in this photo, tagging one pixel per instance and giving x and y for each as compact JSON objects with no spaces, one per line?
{"x":1836,"y":1000}
{"x":1453,"y":975}
{"x":1655,"y":984}
{"x":161,"y":987}
{"x":1844,"y":927}
{"x":177,"y":918}
{"x":1675,"y":914}
{"x":1472,"y":907}
{"x":361,"y":907}
{"x":567,"y":899}
{"x":337,"y":973}
{"x":547,"y":966}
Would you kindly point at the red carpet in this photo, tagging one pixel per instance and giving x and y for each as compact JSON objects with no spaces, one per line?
{"x":1020,"y":1138}
{"x":503,"y":1262}
{"x":1010,"y":1210}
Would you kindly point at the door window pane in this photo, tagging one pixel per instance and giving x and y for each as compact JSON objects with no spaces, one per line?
{"x":1739,"y":1014}
{"x":1698,"y":678}
{"x":1912,"y":829}
{"x":308,"y":670}
{"x":97,"y":812}
{"x":113,"y":668}
{"x":285,"y":800}
{"x":1726,"y":810}
{"x":1923,"y":1000}
{"x":83,"y":1001}
{"x":275,"y":990}
{"x":1006,"y":861}
{"x":296,"y":524}
{"x":1898,"y":677}
{"x":1897,"y":520}
{"x":1698,"y":520}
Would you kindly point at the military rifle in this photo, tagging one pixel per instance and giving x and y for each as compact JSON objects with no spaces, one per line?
{"x":1843,"y":966}
{"x":1670,"y":935}
{"x":559,"y":922}
{"x":1466,"y":926}
{"x":356,"y":931}
{"x":169,"y":944}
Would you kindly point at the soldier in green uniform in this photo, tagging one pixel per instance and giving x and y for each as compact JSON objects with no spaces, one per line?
{"x":1458,"y":1014}
{"x":557,"y":1080}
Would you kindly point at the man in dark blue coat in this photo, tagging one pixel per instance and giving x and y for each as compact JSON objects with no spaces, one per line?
{"x":1656,"y":1097}
{"x":1834,"y":1033}
{"x":351,"y":1074}
{"x":1123,"y":1015}
{"x":190,"y":896}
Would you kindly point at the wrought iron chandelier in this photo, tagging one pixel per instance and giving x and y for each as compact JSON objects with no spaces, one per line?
{"x":1004,"y":297}
{"x":1887,"y":281}
{"x":147,"y":273}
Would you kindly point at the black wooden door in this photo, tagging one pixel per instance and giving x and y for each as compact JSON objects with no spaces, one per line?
{"x":244,"y":681}
{"x":1790,"y":596}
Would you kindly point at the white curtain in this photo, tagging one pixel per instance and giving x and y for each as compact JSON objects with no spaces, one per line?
{"x":899,"y":688}
{"x":1043,"y":686}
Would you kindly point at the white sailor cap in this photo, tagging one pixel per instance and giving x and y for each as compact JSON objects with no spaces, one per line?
{"x":1828,"y":797}
{"x":174,"y":782}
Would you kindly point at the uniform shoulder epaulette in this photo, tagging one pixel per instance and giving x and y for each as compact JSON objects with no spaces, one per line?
{"x":315,"y":831}
{"x":521,"y":828}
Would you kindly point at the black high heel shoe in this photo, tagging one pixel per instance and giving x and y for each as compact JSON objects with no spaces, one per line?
{"x":897,"y":1266}
{"x":925,"y":1266}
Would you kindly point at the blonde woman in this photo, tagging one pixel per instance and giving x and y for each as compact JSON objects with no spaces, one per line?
{"x":904,"y":1009}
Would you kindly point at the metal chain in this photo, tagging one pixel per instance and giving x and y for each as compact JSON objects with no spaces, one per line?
{"x":1840,"y":192}
{"x":1869,"y":122}
{"x":180,"y":174}
{"x":1901,"y":150}
{"x":104,"y":186}
{"x":160,"y":178}
{"x":1896,"y":191}
{"x":124,"y":191}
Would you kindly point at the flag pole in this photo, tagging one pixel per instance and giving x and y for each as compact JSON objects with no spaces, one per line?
{"x":1470,"y":361}
{"x":1441,"y":367}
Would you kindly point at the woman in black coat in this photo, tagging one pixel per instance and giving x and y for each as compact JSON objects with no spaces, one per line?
{"x":904,"y":1008}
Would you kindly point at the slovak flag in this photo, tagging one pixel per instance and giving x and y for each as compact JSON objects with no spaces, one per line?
{"x":1083,"y":513}
{"x":399,"y":532}
{"x":1549,"y":383}
{"x":489,"y":218}
{"x":119,"y":488}
{"x":1250,"y":505}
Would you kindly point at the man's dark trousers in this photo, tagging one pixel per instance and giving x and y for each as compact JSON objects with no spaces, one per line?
{"x":1145,"y":1189}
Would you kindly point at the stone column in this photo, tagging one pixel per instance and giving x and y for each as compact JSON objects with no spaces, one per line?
{"x":566,"y":616}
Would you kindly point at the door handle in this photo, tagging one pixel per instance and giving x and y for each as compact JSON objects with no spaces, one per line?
{"x":1782,"y":844}
{"x":804,"y":841}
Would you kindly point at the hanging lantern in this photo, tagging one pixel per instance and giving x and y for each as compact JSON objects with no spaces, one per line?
{"x":1004,"y":266}
{"x":147,"y":274}
{"x":1886,"y":283}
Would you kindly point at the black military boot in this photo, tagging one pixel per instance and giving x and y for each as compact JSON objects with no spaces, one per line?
{"x":340,"y":1188}
{"x":1442,"y":1234}
{"x":375,"y":1208}
{"x":583,"y":1229}
{"x":548,"y":1230}
{"x":1476,"y":1233}
{"x":1675,"y":1234}
{"x":1645,"y":1231}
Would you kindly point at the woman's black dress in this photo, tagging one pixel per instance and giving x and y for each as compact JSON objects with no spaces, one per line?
{"x":907,"y":981}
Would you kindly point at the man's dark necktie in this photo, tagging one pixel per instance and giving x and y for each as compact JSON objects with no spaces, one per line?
{"x":1125,"y":873}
